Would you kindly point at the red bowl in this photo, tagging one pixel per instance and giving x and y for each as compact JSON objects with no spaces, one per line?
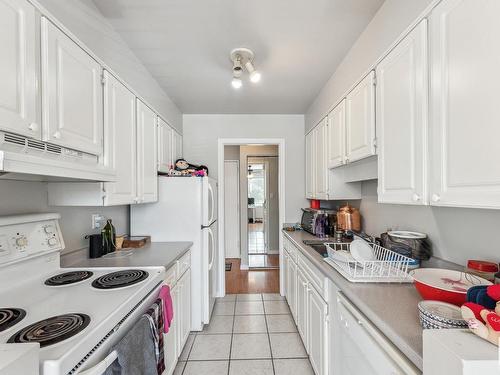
{"x":445,"y":285}
{"x":436,"y":294}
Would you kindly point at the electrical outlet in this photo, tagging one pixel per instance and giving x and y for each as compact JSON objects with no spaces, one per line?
{"x":97,"y":220}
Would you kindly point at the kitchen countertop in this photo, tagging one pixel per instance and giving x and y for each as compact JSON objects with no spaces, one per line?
{"x":152,"y":254}
{"x":392,"y":308}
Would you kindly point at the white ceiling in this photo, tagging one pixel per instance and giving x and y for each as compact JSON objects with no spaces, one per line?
{"x":185,"y":44}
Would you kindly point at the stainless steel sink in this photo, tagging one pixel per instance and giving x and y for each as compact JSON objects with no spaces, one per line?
{"x":318,"y":246}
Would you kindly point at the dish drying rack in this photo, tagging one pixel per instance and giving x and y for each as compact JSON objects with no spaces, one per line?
{"x":390,"y":267}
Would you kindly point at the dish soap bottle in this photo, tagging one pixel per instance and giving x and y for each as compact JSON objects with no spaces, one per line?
{"x":108,"y":237}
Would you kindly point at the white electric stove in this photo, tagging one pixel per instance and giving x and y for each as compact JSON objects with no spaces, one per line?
{"x":76,"y":315}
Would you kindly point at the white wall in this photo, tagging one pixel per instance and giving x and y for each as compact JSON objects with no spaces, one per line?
{"x":201,"y":134}
{"x":21,"y":197}
{"x":85,"y":21}
{"x":393,"y":17}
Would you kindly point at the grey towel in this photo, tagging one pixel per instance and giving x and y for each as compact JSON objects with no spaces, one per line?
{"x":136,"y":352}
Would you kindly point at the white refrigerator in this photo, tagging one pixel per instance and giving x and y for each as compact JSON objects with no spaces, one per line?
{"x":186,"y":211}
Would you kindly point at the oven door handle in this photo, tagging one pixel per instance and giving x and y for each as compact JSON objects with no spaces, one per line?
{"x":101,"y":367}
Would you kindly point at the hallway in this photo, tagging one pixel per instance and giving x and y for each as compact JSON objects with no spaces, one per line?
{"x":249,"y":334}
{"x":251,"y":281}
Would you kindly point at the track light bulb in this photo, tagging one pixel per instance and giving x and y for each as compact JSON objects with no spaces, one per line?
{"x":255,"y":76}
{"x":236,"y":83}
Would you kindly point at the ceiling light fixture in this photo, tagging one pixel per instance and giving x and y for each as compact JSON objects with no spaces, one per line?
{"x":243,"y":57}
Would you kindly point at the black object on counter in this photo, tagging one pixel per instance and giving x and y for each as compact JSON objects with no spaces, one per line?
{"x":96,"y":247}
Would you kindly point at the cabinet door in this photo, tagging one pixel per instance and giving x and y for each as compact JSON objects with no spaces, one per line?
{"x":286,"y":259}
{"x":310,"y":164}
{"x":317,"y":330}
{"x":465,"y":117}
{"x":18,"y":67}
{"x":120,"y":142}
{"x":72,"y":104}
{"x":147,"y":175}
{"x":402,"y":121}
{"x":164,"y":146}
{"x":185,"y":297}
{"x":336,"y":136}
{"x":176,"y":146}
{"x":171,"y":349}
{"x":302,"y":286}
{"x":321,"y":150}
{"x":292,"y":283}
{"x":360,"y":120}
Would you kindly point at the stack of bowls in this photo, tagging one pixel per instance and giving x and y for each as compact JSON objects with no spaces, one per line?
{"x":438,"y":315}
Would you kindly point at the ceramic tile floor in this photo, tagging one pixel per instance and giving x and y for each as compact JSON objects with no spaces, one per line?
{"x":249,"y":334}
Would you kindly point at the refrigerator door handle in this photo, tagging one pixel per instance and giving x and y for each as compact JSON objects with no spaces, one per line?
{"x":212,"y":249}
{"x":211,"y":203}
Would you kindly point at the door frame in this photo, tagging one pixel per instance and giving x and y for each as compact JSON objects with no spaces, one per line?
{"x":280,"y":142}
{"x":237,"y":163}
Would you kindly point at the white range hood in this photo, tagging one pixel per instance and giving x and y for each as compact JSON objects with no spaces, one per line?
{"x":22,"y":158}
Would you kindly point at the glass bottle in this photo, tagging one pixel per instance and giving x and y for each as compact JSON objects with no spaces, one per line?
{"x":108,"y":237}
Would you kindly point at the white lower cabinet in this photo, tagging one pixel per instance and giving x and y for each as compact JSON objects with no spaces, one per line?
{"x":292,"y":287}
{"x":175,"y":339}
{"x":317,"y":331}
{"x":302,"y":294}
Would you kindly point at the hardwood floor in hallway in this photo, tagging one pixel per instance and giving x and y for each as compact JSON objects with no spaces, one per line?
{"x":251,"y":281}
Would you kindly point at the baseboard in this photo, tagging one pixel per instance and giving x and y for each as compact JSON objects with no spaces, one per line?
{"x":273,"y":251}
{"x":244,"y":267}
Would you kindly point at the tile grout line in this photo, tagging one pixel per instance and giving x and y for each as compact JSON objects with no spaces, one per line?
{"x":268,"y":335}
{"x":189,"y":354}
{"x":232,"y":334}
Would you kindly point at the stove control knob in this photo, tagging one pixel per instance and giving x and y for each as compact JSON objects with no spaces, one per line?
{"x":49,"y":229}
{"x":21,"y":241}
{"x":52,"y":241}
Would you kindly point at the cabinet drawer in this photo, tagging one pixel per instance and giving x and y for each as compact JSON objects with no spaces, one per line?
{"x":183,"y":264}
{"x":314,"y":276}
{"x":171,"y":276}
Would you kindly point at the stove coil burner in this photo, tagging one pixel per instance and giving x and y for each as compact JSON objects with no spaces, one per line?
{"x":52,"y":330}
{"x":119,"y":279}
{"x":10,"y":316}
{"x":68,"y":278}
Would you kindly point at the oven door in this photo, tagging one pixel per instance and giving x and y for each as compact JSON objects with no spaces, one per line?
{"x":102,"y":356}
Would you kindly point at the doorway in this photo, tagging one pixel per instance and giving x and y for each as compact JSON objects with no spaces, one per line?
{"x":254,"y":267}
{"x":263,"y":211}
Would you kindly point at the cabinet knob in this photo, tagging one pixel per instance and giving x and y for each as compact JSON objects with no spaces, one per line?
{"x":33,"y":127}
{"x":436,"y":198}
{"x":415,"y":197}
{"x":57,"y":135}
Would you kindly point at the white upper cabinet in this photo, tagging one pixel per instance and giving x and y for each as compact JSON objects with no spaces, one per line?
{"x":465,"y":110}
{"x":165,"y":139}
{"x":402,"y":93}
{"x":321,"y":151}
{"x":18,"y":67}
{"x":310,"y":164}
{"x":147,"y":181}
{"x":336,"y":136}
{"x":360,"y":120}
{"x":176,"y":146}
{"x":120,"y":142}
{"x":72,"y":103}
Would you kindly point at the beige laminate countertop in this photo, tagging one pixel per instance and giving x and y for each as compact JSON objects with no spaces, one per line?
{"x":392,"y":308}
{"x":152,"y":254}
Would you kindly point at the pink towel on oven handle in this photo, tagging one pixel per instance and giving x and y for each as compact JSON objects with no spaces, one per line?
{"x":168,"y":307}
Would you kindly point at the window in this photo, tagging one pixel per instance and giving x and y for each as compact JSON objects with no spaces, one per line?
{"x":257,"y":184}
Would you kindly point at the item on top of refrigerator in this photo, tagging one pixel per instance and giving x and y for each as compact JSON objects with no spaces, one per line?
{"x":184,"y":169}
{"x":445,"y":285}
{"x":439,"y":315}
{"x":484,"y":269}
{"x":404,"y":242}
{"x":349,"y":218}
{"x":108,"y":237}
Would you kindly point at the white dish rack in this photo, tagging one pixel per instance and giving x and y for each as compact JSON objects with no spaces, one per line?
{"x":390,"y":267}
